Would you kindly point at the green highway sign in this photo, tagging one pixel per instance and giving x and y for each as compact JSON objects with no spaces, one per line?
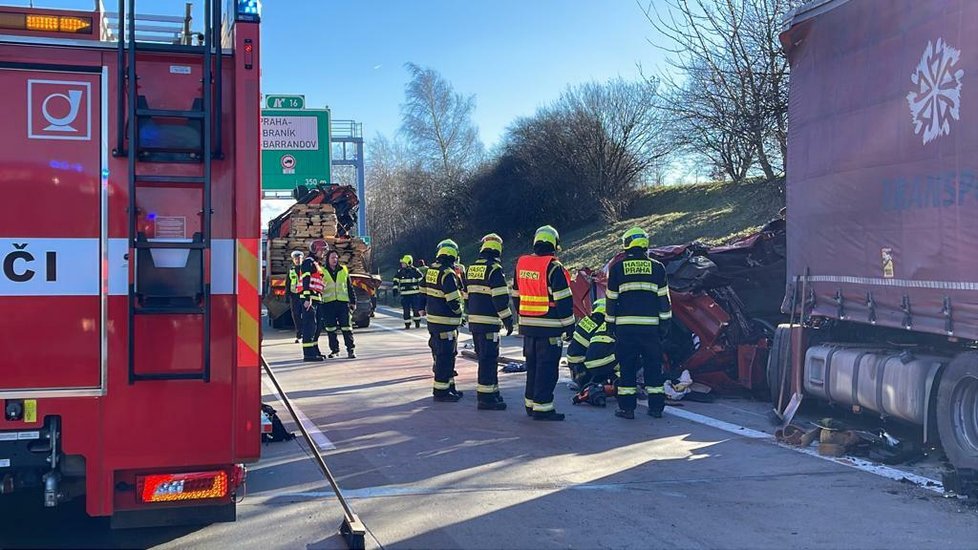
{"x":295,"y":148}
{"x":285,"y":102}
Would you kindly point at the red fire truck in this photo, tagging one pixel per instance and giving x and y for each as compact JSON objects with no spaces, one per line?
{"x":129,"y":235}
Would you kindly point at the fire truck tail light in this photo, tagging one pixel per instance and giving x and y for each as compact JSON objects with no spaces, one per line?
{"x":176,"y":487}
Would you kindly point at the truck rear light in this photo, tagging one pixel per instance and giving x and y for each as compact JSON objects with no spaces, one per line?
{"x":176,"y":487}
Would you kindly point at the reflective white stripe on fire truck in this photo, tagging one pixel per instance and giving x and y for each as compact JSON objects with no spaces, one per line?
{"x":70,"y":267}
{"x":222,"y":267}
{"x":49,"y":267}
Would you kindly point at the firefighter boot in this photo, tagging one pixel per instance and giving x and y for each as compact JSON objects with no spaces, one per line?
{"x":622,"y":413}
{"x":657,"y":402}
{"x":548,"y":415}
{"x":446,"y":396}
{"x":407,"y":326}
{"x":491,"y":402}
{"x":417,"y":324}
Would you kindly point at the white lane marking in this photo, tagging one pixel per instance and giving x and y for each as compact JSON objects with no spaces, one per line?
{"x":317,"y":435}
{"x":400,"y":331}
{"x":850,"y":461}
{"x":718,"y":424}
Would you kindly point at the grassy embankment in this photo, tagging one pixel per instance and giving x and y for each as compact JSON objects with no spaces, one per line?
{"x":675,"y":214}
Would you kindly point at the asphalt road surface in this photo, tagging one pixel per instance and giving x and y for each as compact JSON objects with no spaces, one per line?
{"x":444,"y":475}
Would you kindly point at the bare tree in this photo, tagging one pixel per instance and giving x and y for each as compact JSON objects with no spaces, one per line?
{"x":437,"y":123}
{"x":731,"y":49}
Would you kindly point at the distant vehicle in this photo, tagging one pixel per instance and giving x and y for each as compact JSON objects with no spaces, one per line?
{"x":881,"y":194}
{"x":328,"y":213}
{"x":130,"y":369}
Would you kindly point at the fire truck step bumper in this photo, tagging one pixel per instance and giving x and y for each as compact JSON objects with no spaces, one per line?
{"x":172,"y":516}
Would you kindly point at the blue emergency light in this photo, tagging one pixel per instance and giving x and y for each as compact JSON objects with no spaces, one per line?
{"x":249,"y":10}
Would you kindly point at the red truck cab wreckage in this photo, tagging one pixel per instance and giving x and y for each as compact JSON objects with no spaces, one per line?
{"x":724,"y":311}
{"x":130,"y":243}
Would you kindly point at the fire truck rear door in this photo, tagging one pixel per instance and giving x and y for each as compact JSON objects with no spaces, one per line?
{"x":52,"y":231}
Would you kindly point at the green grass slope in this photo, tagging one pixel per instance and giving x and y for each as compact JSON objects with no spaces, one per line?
{"x":712,"y":212}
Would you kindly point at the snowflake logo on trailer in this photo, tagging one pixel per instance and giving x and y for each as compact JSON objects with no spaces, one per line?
{"x":937,"y":98}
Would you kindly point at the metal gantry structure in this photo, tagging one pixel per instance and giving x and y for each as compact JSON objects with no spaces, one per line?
{"x":346,"y":137}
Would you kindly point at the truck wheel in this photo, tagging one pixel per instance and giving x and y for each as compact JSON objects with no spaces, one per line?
{"x":957,"y":410}
{"x":362,"y":320}
{"x":777,"y":360}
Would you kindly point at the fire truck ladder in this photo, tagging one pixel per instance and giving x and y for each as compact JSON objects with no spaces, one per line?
{"x":171,"y":276}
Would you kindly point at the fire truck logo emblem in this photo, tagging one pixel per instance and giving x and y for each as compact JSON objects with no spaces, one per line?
{"x":59,"y":109}
{"x":936,"y":98}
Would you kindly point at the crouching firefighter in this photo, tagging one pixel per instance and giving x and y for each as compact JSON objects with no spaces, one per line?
{"x":310,"y":290}
{"x":441,"y":298}
{"x":542,"y":293}
{"x":407,"y":283}
{"x":579,"y":342}
{"x":600,"y":376}
{"x":487,"y":305}
{"x":638,"y":306}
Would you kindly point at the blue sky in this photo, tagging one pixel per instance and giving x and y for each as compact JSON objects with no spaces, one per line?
{"x":514,"y":55}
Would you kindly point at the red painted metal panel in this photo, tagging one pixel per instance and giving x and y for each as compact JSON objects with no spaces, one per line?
{"x":152,"y":425}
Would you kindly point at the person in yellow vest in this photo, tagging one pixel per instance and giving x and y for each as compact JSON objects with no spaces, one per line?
{"x":310,"y":290}
{"x":339,"y":301}
{"x":291,"y":290}
{"x":541,"y":290}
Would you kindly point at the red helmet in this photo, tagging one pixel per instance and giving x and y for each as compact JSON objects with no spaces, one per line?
{"x":318,"y":246}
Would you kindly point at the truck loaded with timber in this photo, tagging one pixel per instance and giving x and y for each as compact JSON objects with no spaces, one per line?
{"x":881,"y":188}
{"x":326,"y":213}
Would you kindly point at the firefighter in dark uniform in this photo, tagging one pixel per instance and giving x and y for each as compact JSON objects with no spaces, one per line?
{"x":578,"y":346}
{"x":600,"y":369}
{"x":339,"y":301}
{"x":291,"y":289}
{"x":310,"y":289}
{"x":407,"y":283}
{"x":487,"y":306}
{"x":441,"y":301}
{"x":541,"y":290}
{"x":638,"y":311}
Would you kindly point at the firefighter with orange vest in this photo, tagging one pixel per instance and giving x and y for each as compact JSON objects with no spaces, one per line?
{"x":541,"y":290}
{"x":441,"y":300}
{"x":638,"y":314}
{"x":487,"y":305}
{"x":310,"y":290}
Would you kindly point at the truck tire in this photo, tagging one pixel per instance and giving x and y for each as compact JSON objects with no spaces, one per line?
{"x":777,"y":360}
{"x":957,"y":411}
{"x":362,"y":320}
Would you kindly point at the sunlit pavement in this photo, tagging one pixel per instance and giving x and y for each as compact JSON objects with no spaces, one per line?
{"x":444,"y":475}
